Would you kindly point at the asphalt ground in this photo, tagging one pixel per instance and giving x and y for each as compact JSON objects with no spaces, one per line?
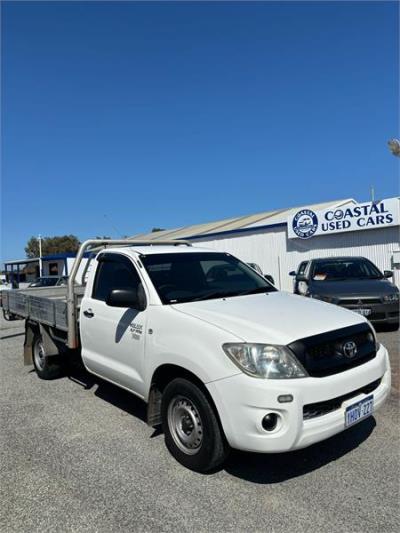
{"x":77,"y":455}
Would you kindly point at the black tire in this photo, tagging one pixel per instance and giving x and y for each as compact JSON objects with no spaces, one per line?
{"x":185,"y":402}
{"x":8,"y":316}
{"x":47,"y":367}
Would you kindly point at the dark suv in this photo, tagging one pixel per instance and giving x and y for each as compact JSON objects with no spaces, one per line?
{"x":351,"y":282}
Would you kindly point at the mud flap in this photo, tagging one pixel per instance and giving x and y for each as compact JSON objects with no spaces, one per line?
{"x":154,"y":407}
{"x":49,"y":345}
{"x":29,"y":336}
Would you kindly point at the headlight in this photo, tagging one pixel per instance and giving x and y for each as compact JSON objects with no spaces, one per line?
{"x":373,"y":338}
{"x":391,"y":297}
{"x":265,"y":360}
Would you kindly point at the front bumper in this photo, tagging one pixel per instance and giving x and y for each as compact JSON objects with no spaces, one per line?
{"x":243,"y":401}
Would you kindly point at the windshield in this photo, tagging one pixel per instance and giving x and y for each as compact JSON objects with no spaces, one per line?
{"x":345,"y":269}
{"x":44,"y":282}
{"x":188,"y":277}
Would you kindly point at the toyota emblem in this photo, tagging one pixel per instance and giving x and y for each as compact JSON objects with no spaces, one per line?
{"x":349,"y":349}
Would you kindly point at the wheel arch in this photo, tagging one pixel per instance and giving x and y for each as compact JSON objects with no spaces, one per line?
{"x":163,"y":375}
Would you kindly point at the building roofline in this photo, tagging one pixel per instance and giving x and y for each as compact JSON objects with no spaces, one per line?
{"x":252,"y":229}
{"x":51,"y":257}
{"x":219,"y":224}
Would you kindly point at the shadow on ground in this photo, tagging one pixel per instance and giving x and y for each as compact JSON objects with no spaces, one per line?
{"x":108,"y":392}
{"x":13,"y":335}
{"x":278,"y":467}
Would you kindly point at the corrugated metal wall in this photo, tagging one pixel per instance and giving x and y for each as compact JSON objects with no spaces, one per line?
{"x":278,"y":255}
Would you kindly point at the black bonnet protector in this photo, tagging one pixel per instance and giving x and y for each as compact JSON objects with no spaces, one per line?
{"x":329,"y":353}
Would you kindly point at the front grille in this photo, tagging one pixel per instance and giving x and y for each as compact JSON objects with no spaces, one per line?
{"x":359,"y":301}
{"x":376,"y":316}
{"x":323,"y":355}
{"x":312,"y":410}
{"x":394,"y":313}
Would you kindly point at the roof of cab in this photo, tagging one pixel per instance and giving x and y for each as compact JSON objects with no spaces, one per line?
{"x":158,"y":249}
{"x":338,"y":258}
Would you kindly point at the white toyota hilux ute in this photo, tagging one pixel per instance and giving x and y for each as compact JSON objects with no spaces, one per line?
{"x":222,"y":358}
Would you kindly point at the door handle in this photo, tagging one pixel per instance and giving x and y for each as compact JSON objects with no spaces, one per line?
{"x":89,"y":313}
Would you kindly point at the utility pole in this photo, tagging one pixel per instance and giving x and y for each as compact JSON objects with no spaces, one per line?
{"x":40,"y":256}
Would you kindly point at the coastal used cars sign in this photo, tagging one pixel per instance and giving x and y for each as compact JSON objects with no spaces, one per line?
{"x":350,"y":217}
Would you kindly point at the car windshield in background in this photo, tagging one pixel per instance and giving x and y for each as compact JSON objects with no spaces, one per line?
{"x":331,"y":270}
{"x":44,"y":282}
{"x":194,"y":276}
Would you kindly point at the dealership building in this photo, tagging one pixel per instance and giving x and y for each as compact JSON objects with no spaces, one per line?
{"x":26,"y":270}
{"x":279,"y":240}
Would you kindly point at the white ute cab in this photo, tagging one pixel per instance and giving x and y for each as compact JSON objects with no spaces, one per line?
{"x":222,"y":358}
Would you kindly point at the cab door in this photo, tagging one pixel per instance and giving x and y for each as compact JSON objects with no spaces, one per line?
{"x":113,"y":338}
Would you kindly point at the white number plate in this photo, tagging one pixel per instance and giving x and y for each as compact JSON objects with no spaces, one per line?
{"x":356,"y":412}
{"x":363,"y":312}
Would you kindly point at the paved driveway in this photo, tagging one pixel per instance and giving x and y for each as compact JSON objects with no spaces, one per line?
{"x":76,"y":455}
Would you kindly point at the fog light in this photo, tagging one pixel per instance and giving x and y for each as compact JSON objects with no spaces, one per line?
{"x":269,"y":421}
{"x":285,"y":398}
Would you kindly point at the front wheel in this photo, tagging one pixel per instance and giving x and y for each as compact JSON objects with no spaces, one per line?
{"x":47,"y":367}
{"x":192,"y":432}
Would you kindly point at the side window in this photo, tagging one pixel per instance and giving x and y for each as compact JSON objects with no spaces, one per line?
{"x":53,"y":269}
{"x":114,"y":272}
{"x":302,"y":268}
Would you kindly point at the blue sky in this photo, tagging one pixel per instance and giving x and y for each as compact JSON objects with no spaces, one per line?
{"x":171,"y":113}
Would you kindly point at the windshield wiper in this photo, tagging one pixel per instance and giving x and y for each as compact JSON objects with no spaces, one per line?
{"x":256,"y":290}
{"x":213,"y":294}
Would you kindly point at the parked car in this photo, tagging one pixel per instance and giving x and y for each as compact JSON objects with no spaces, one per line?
{"x":62,"y":282}
{"x":351,"y":282}
{"x":257,"y":268}
{"x":45,"y":281}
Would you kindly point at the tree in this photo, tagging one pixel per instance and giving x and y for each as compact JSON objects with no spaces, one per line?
{"x":52,"y":245}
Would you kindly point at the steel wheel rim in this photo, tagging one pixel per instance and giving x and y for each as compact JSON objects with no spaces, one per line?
{"x":39,"y":354}
{"x":185,"y":425}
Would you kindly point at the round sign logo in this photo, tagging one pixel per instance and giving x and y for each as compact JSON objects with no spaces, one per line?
{"x":305,"y":223}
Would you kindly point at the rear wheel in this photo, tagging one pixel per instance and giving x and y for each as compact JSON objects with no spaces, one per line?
{"x":192,"y":432}
{"x":47,"y":367}
{"x":8,"y":316}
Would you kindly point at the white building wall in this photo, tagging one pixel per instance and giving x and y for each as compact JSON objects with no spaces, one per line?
{"x":278,"y":255}
{"x":70,"y":263}
{"x":46,"y":265}
{"x":61,"y":267}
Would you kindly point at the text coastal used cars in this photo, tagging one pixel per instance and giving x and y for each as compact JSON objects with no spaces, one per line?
{"x":306,"y":223}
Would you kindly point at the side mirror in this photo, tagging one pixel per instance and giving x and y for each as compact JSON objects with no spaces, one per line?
{"x":292,"y":273}
{"x":388,"y":274}
{"x":269,"y":278}
{"x":132,"y":298}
